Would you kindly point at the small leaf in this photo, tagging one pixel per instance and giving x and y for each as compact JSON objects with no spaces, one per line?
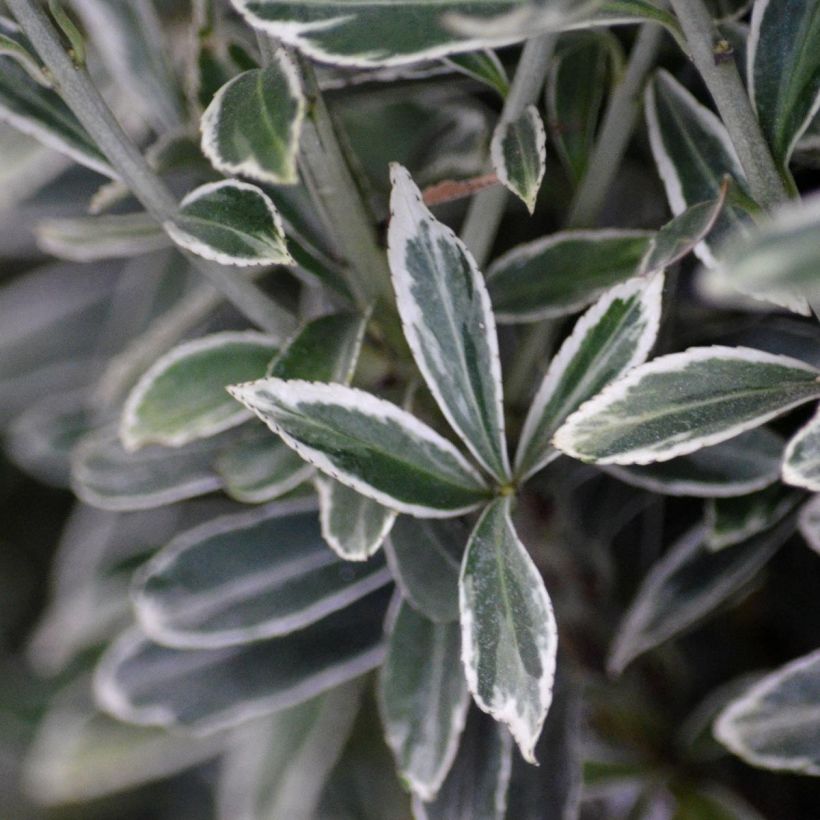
{"x":483,"y":66}
{"x":679,"y":403}
{"x":479,"y":779}
{"x":733,"y":520}
{"x":368,"y":444}
{"x":774,"y":725}
{"x":809,"y":522}
{"x":425,"y":559}
{"x":252,"y":125}
{"x":686,"y":586}
{"x":248,"y":576}
{"x":448,"y":322}
{"x":423,"y":698}
{"x":784,"y":70}
{"x":182,"y":396}
{"x":13,"y":44}
{"x":744,"y":464}
{"x":508,"y":632}
{"x":87,"y":239}
{"x":207,"y":690}
{"x":801,"y":461}
{"x":352,"y":525}
{"x":610,"y":339}
{"x":562,"y":273}
{"x":519,"y":154}
{"x":232,"y":223}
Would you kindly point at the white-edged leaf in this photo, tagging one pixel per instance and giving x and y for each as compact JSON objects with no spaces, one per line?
{"x":563,"y":272}
{"x":353,"y":525}
{"x":801,"y":461}
{"x":774,"y":724}
{"x":182,"y":396}
{"x":252,"y":125}
{"x":368,"y":444}
{"x":105,"y":475}
{"x":679,"y":403}
{"x":783,"y":69}
{"x":232,"y":223}
{"x":612,"y":337}
{"x":483,"y":66}
{"x":423,"y":699}
{"x":733,"y":520}
{"x":508,"y":632}
{"x":277,"y":768}
{"x":371,"y":33}
{"x":687,"y":585}
{"x":206,"y":690}
{"x":744,"y":464}
{"x":519,"y":155}
{"x":86,"y":239}
{"x":478,"y":781}
{"x":448,"y":322}
{"x":425,"y":559}
{"x":245,"y":577}
{"x":809,"y":522}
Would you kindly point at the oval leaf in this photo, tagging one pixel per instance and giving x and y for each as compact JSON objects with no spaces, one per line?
{"x":368,"y":444}
{"x":519,"y":155}
{"x":448,"y":322}
{"x":801,"y":462}
{"x":562,"y":273}
{"x":252,"y":125}
{"x":232,"y":223}
{"x":423,"y":698}
{"x":679,"y":403}
{"x":774,"y":725}
{"x":610,"y":339}
{"x":508,"y":632}
{"x":182,"y":396}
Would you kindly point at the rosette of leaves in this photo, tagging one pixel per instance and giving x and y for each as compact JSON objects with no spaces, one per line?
{"x":374,"y":514}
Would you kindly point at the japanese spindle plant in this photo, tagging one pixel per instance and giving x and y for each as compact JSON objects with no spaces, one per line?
{"x":425,"y":372}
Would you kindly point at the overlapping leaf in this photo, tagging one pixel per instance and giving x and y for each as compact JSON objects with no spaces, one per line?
{"x":801,"y":464}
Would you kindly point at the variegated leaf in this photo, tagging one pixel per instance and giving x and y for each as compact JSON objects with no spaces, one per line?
{"x":519,"y":154}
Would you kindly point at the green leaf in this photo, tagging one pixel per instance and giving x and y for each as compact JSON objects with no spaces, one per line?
{"x":405,"y":31}
{"x":732,"y":520}
{"x":609,"y":339}
{"x":784,"y":70}
{"x":260,"y":467}
{"x":182,"y":396}
{"x":687,"y":585}
{"x":41,"y":113}
{"x":483,"y":66}
{"x":508,"y":632}
{"x":14,"y":45}
{"x":519,"y":155}
{"x":423,"y":698}
{"x":801,"y":461}
{"x":425,"y":559}
{"x":232,"y":223}
{"x":478,"y":781}
{"x":252,"y":125}
{"x":576,"y":86}
{"x":679,"y":403}
{"x":89,"y":238}
{"x":352,"y":525}
{"x":774,"y":724}
{"x":809,"y":522}
{"x":562,"y":273}
{"x":263,"y":773}
{"x":744,"y":464}
{"x":244,"y":577}
{"x":107,"y":476}
{"x":206,"y":690}
{"x":448,"y":322}
{"x":368,"y":444}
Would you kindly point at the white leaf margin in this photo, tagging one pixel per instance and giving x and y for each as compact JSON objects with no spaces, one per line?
{"x":501,"y":133}
{"x":790,"y":472}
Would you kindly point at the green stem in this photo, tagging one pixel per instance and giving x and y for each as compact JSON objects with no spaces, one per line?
{"x":616,"y":130}
{"x":723,"y":81}
{"x":486,"y":209}
{"x":83,"y":98}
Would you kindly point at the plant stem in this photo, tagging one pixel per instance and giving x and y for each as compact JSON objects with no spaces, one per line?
{"x":85,"y":101}
{"x":723,"y":81}
{"x":616,"y":130}
{"x":485,"y":211}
